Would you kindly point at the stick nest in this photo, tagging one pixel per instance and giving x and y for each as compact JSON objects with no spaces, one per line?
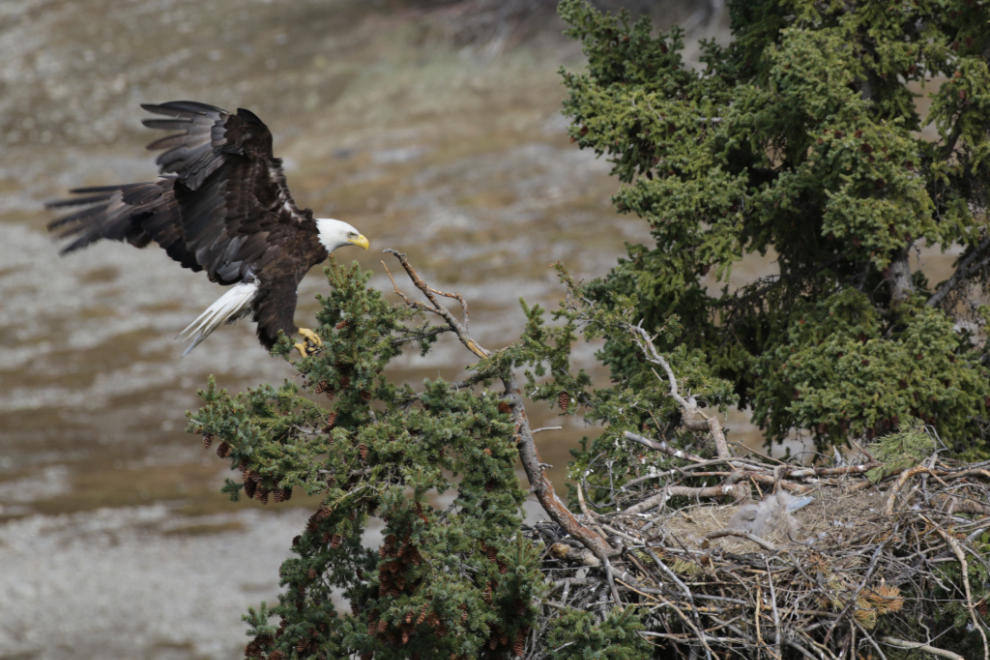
{"x":866,"y":570}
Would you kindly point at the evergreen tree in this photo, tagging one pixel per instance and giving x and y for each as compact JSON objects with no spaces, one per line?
{"x":449,"y":580}
{"x":800,"y":142}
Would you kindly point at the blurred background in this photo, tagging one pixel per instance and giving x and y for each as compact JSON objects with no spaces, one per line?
{"x":432,"y":126}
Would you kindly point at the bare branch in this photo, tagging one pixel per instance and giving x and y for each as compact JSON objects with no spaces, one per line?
{"x":967,"y":267}
{"x":915,"y":646}
{"x":541,"y":486}
{"x":437,"y":308}
{"x":689,"y":407}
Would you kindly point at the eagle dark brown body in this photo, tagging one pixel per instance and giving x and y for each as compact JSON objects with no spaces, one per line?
{"x":221,"y":206}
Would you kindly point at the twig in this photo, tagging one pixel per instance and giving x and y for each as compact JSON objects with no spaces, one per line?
{"x":738,"y":491}
{"x":964,"y":571}
{"x":907,"y":474}
{"x":776,"y":614}
{"x":546,"y":428}
{"x":689,"y":406}
{"x":662,"y":446}
{"x":917,"y":646}
{"x":437,"y":308}
{"x":769,"y":547}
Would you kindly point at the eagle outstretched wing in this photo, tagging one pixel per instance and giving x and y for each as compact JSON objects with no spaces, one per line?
{"x":222,"y":196}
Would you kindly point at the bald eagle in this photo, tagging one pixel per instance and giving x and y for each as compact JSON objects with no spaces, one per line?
{"x":221,"y":205}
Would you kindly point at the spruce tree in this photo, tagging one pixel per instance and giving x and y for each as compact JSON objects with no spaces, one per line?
{"x":800,"y":141}
{"x":450,"y":579}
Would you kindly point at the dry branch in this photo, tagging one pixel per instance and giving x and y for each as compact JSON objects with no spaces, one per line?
{"x":528,"y":454}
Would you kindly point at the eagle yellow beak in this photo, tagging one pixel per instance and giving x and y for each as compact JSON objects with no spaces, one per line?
{"x":360,"y":241}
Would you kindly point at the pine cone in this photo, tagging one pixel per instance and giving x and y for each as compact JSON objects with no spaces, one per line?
{"x":518,"y":647}
{"x":341,"y":325}
{"x":278,"y":495}
{"x":564,"y":400}
{"x":302,"y":646}
{"x":372,"y":627}
{"x":335,"y":541}
{"x":287,"y":493}
{"x":276,"y":655}
{"x":405,"y":636}
{"x":223,"y":450}
{"x":492,"y":554}
{"x":249,"y":488}
{"x":322,"y":387}
{"x":208,"y":440}
{"x":365,"y":396}
{"x":464,"y":612}
{"x":363,"y":451}
{"x":331,"y":421}
{"x":382,"y":626}
{"x":243,"y":467}
{"x":262,"y":496}
{"x":345,"y":382}
{"x":311,"y":574}
{"x":503,"y":568}
{"x":504,"y":407}
{"x":409,"y":616}
{"x":422,"y":616}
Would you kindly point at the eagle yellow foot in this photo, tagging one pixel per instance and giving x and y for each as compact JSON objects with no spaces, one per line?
{"x":311,"y":342}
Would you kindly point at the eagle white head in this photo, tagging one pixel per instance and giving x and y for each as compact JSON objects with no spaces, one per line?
{"x":337,"y":234}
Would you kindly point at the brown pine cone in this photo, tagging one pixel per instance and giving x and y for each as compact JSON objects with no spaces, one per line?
{"x":223,"y":450}
{"x":249,"y":488}
{"x":335,"y":541}
{"x":341,"y":325}
{"x":492,"y":554}
{"x":331,"y":421}
{"x":322,"y":387}
{"x":208,"y":440}
{"x":504,"y":407}
{"x":564,"y":400}
{"x":363,"y":451}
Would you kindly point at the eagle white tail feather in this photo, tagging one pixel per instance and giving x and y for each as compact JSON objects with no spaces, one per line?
{"x":228,"y":308}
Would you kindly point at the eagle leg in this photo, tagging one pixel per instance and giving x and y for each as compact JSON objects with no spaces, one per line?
{"x":310,"y":344}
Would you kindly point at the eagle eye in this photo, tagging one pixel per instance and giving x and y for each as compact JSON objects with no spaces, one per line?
{"x":351,"y":234}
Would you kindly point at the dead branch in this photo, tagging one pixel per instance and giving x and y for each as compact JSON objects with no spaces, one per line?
{"x":528,"y":454}
{"x":914,"y":646}
{"x":689,"y":407}
{"x":435,"y":306}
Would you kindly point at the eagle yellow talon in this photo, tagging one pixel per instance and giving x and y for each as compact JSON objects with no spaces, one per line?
{"x":311,"y":342}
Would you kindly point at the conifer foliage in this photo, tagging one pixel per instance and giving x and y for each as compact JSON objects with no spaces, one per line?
{"x":455,"y":580}
{"x":801,"y":141}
